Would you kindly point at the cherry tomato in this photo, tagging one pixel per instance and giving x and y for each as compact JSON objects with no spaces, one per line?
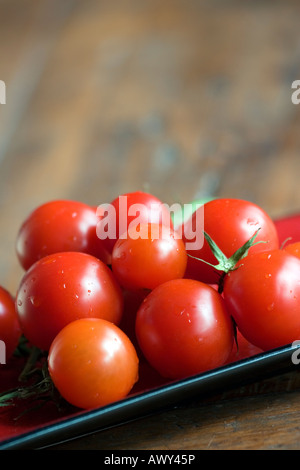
{"x":263,"y":295}
{"x":128,"y":210}
{"x":64,"y":287}
{"x":10,"y":330}
{"x":293,"y":249}
{"x":59,"y":226}
{"x":92,"y":363}
{"x":183,"y":328}
{"x":148,"y":258}
{"x":230,"y":223}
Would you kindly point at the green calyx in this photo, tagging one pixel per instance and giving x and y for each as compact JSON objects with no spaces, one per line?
{"x":225,"y":264}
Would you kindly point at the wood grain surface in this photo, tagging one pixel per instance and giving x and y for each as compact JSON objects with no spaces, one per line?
{"x":183,"y":98}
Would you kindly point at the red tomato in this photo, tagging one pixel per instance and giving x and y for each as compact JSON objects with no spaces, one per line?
{"x":59,"y":226}
{"x":10,"y":330}
{"x":263,"y":295}
{"x":183,"y":328}
{"x":293,"y":249}
{"x":156,"y":256}
{"x":64,"y":287}
{"x":129,"y":210}
{"x":230,"y":223}
{"x":92,"y":363}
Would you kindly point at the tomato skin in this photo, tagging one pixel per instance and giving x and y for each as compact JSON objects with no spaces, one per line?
{"x":293,"y":249}
{"x":263,"y":296}
{"x":183,"y":328}
{"x":156,"y":256}
{"x":92,"y":363}
{"x":230,"y":223}
{"x":58,"y":226}
{"x":123,"y":219}
{"x":61,"y":288}
{"x":10,"y":329}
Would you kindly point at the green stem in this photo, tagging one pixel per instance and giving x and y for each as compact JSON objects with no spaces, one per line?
{"x":30,"y":365}
{"x":36,"y":390}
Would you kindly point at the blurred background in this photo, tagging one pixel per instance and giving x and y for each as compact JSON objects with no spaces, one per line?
{"x":182,"y":98}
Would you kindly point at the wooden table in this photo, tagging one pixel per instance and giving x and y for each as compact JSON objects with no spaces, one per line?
{"x":184,"y":99}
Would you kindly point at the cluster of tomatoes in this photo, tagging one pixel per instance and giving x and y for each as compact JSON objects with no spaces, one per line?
{"x":97,"y":305}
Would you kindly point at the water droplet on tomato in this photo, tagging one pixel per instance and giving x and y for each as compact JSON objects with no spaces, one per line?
{"x":36,"y":302}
